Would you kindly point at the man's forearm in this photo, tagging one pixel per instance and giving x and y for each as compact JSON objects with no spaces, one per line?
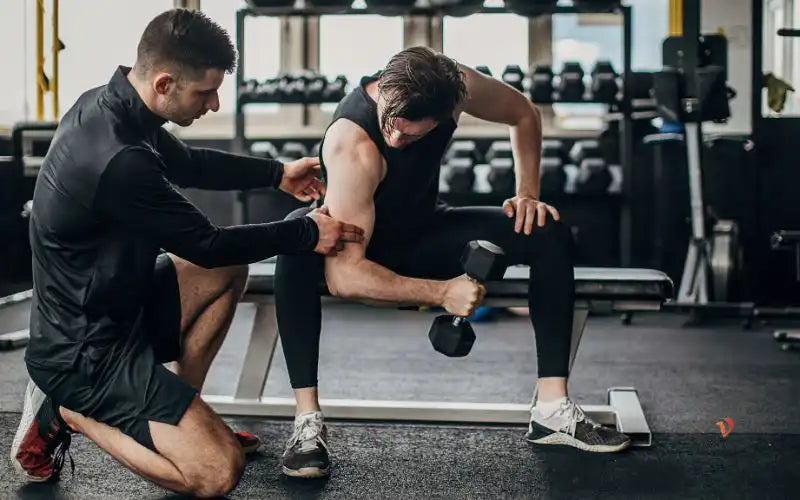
{"x":365,"y":280}
{"x":223,"y":171}
{"x":526,"y":142}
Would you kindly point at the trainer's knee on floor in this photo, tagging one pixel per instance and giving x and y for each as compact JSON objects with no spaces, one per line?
{"x":217,"y":479}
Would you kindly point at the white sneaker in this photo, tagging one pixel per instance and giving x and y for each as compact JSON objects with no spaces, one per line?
{"x":306,"y":453}
{"x":569,"y":425}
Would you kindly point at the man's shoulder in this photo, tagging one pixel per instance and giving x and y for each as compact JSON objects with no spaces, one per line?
{"x":345,"y":137}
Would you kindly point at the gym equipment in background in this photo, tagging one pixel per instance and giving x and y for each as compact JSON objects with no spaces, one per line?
{"x":691,"y":90}
{"x":781,"y":241}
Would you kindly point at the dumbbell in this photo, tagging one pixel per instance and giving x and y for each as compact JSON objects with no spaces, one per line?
{"x":482,"y":261}
{"x":542,"y":84}
{"x":552,"y":176}
{"x":264,"y":149}
{"x":570,"y":85}
{"x":463,"y":149}
{"x":513,"y":76}
{"x":604,"y":82}
{"x":27,"y":209}
{"x":553,"y":148}
{"x":501,"y":176}
{"x":329,"y":3}
{"x":459,"y":174}
{"x":268,"y":91}
{"x":483,"y":69}
{"x":499,"y":149}
{"x":293,"y":88}
{"x":594,"y":177}
{"x":335,"y":90}
{"x":293,"y":150}
{"x":583,"y":149}
{"x":247,"y":91}
{"x":315,"y":87}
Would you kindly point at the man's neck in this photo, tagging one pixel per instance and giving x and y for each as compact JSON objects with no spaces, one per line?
{"x":141,"y":89}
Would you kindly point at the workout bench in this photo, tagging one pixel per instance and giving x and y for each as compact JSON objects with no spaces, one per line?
{"x":597,"y":289}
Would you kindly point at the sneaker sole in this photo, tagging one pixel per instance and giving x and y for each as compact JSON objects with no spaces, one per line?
{"x":307,"y":472}
{"x":251,"y":449}
{"x":558,"y":438}
{"x":33,"y":401}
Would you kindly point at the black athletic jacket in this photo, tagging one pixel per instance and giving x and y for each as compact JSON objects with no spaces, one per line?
{"x":104,"y":206}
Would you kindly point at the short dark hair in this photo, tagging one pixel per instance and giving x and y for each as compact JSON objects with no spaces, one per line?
{"x":187,"y":42}
{"x":420,"y":83}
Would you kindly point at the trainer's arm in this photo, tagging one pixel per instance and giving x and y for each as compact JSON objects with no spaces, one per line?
{"x":134,"y":194}
{"x":207,"y":168}
{"x":495,"y":101}
{"x":355,"y":169}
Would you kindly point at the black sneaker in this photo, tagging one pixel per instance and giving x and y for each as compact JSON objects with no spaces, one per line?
{"x":42,"y":439}
{"x":570,"y":426}
{"x":306,"y":453}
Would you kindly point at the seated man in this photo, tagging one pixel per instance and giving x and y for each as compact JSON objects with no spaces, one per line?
{"x":382,"y":155}
{"x":108,"y":306}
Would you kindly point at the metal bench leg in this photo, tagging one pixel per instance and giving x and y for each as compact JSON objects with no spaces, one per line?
{"x":259,"y":353}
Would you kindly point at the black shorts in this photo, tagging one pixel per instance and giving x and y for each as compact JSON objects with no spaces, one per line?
{"x":126,"y":385}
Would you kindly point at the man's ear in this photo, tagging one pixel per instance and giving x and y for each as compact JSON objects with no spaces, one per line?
{"x":164,"y":83}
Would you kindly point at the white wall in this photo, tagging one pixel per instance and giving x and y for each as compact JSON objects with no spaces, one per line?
{"x":734,"y":19}
{"x":12,"y":83}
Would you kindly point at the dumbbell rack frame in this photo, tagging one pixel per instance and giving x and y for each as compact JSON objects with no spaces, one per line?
{"x":624,"y":106}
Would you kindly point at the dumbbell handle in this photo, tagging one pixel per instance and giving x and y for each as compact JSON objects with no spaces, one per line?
{"x":457,"y":320}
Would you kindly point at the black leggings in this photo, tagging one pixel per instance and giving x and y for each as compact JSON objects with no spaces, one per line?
{"x":435,"y":255}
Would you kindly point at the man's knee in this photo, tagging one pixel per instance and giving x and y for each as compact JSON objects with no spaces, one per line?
{"x":219,"y":478}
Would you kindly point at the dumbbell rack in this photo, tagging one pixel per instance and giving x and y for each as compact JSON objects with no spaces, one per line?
{"x":624,"y":107}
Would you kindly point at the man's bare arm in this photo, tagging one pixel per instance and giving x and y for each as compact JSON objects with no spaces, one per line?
{"x":492,"y":100}
{"x":355,"y":168}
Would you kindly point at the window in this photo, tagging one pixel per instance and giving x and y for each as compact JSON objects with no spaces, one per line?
{"x":780,"y":53}
{"x":15,"y":83}
{"x":262,"y":50}
{"x":588,"y":38}
{"x":358,"y":45}
{"x":97,"y":41}
{"x":493,"y":40}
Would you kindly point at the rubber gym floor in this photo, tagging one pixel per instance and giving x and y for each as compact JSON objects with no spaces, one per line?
{"x":688,"y":379}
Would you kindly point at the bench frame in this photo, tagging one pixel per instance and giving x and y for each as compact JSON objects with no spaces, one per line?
{"x":622,"y":409}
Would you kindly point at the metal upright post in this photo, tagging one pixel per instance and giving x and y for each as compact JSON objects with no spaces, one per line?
{"x":239,"y":111}
{"x":626,"y":226}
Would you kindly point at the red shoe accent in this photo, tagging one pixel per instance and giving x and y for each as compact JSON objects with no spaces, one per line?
{"x":248,"y":442}
{"x":33,"y":459}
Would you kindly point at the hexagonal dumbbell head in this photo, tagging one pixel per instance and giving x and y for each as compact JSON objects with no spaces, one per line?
{"x":483,"y":261}
{"x":453,"y":340}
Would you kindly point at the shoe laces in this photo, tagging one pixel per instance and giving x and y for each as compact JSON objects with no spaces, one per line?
{"x":307,"y":428}
{"x":60,"y":453}
{"x":573,"y":414}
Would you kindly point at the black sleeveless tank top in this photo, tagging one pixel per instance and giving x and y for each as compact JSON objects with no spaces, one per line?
{"x":408,"y":194}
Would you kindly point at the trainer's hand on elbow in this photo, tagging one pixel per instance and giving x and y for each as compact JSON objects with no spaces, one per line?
{"x":462,"y":296}
{"x":333,"y":234}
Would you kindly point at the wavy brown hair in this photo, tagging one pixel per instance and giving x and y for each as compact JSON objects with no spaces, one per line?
{"x":420,"y":83}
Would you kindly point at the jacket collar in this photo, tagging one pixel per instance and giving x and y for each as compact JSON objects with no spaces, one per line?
{"x":123,"y":96}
